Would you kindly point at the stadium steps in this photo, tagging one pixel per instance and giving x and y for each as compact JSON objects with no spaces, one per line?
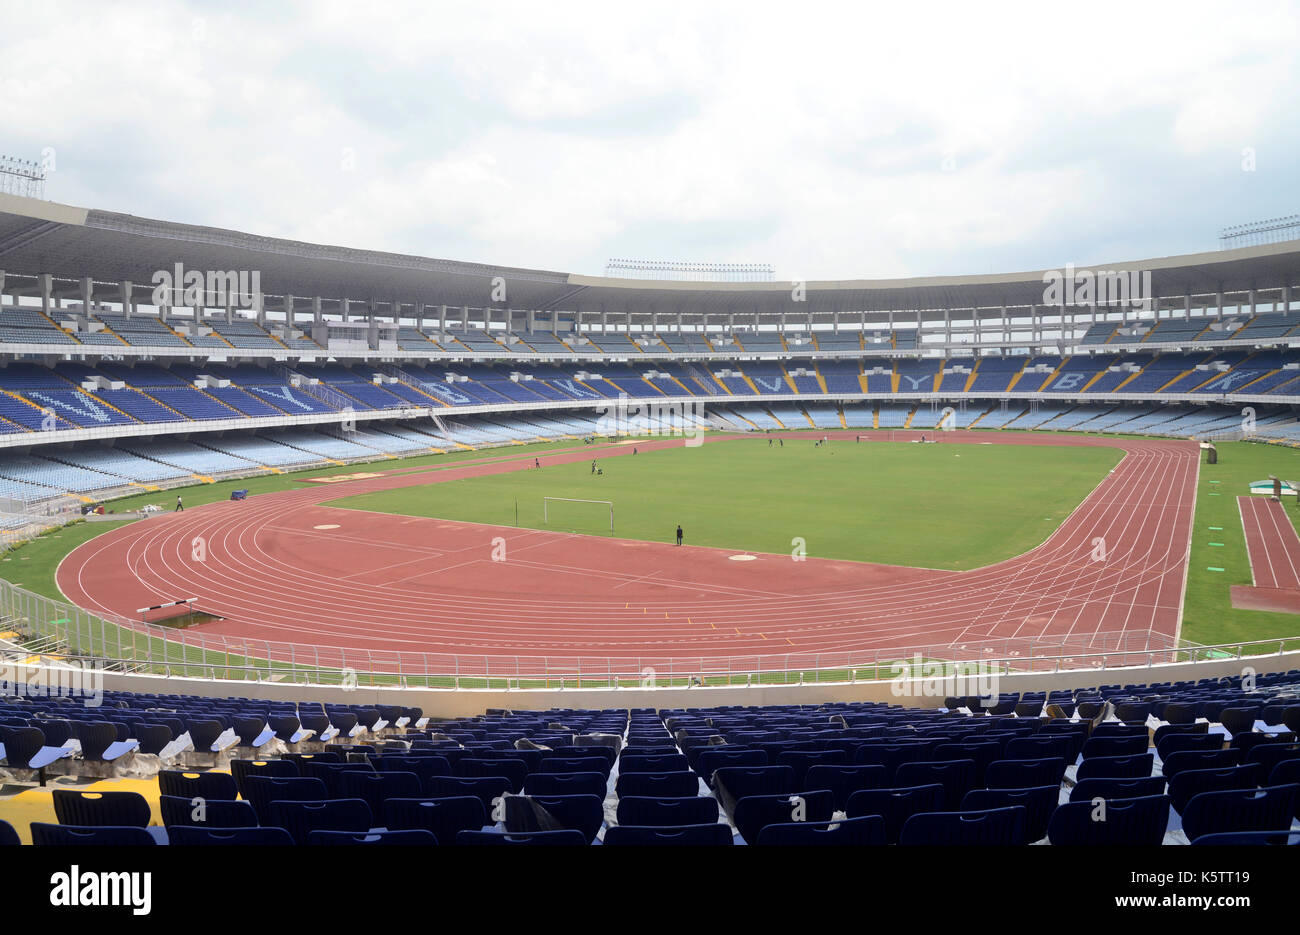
{"x":771,"y":415}
{"x":976,"y":420}
{"x":1095,"y":377}
{"x":176,"y":333}
{"x":1015,"y":377}
{"x":1161,"y":388}
{"x":16,"y":428}
{"x":708,"y":343}
{"x":41,"y":409}
{"x":1133,"y":376}
{"x":821,"y":380}
{"x":907,"y":423}
{"x":839,"y":411}
{"x":1051,"y":377}
{"x":182,"y":415}
{"x":1256,"y":380}
{"x":974,"y":372}
{"x":104,"y":402}
{"x":750,"y":383}
{"x":862,"y":382}
{"x":736,"y":415}
{"x":789,"y":380}
{"x":679,"y":383}
{"x":875,"y":417}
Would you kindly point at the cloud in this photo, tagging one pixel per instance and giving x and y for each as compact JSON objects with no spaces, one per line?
{"x":832,"y":142}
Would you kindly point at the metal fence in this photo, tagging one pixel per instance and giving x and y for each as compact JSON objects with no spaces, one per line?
{"x":41,"y":625}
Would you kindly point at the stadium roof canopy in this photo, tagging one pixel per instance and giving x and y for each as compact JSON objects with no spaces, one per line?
{"x":39,"y":237}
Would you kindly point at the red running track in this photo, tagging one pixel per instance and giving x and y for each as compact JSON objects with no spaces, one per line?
{"x":1271,"y":543}
{"x":384,"y":583}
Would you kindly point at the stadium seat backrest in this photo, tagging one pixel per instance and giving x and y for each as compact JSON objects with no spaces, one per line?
{"x":90,"y":836}
{"x":101,"y":809}
{"x":991,"y":827}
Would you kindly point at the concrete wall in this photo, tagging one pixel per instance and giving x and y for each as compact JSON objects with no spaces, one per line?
{"x":469,"y":702}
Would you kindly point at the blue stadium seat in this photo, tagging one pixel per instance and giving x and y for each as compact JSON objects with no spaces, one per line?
{"x":1116,"y":767}
{"x":1138,"y":788}
{"x":585,"y":813}
{"x":956,"y":776}
{"x":566,"y":784}
{"x":443,"y":817}
{"x":93,"y":835}
{"x":301,"y":818}
{"x":101,"y":809}
{"x":484,"y":788}
{"x":1192,"y":782}
{"x":656,"y":811}
{"x":896,"y":805}
{"x":657,"y":785}
{"x":753,"y":812}
{"x":530,"y":839}
{"x":1116,"y":822}
{"x":214,"y":813}
{"x":1249,"y":838}
{"x":8,"y":836}
{"x":701,"y":835}
{"x":195,"y":835}
{"x":1039,"y":803}
{"x":869,"y":831}
{"x":1268,"y":809}
{"x":1024,"y":774}
{"x":843,"y":781}
{"x":240,"y":769}
{"x":406,"y":838}
{"x":262,"y":791}
{"x":991,"y":827}
{"x":375,"y":788}
{"x":205,"y":785}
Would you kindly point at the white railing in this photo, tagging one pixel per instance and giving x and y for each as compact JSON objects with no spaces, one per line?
{"x":136,"y":646}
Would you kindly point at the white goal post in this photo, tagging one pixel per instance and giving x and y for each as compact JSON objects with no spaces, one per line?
{"x":546,"y":508}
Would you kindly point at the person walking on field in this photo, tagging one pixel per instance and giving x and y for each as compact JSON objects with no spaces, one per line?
{"x":180,"y":507}
{"x":679,"y":534}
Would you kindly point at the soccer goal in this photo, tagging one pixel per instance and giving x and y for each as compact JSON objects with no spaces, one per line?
{"x":568,"y":510}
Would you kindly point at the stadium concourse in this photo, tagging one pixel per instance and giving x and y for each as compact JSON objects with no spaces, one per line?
{"x":283,"y":568}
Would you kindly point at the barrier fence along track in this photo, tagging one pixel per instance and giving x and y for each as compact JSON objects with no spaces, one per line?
{"x":65,"y":632}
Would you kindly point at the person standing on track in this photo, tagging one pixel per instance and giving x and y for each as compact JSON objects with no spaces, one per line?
{"x":180,"y":507}
{"x":537,"y":462}
{"x":679,"y":533}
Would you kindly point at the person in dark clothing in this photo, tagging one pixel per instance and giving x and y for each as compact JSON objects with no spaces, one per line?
{"x":537,"y":462}
{"x":679,"y":534}
{"x":593,"y":467}
{"x":769,"y":443}
{"x":782,"y":442}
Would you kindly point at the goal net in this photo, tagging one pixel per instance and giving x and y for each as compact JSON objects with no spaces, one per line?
{"x":577,"y":515}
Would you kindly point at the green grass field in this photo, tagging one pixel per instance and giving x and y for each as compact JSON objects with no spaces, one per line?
{"x":932,"y":506}
{"x":906,"y":504}
{"x":1208,"y":614}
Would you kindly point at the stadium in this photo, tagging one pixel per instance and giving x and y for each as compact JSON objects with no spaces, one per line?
{"x":417,"y":430}
{"x":422,"y":554}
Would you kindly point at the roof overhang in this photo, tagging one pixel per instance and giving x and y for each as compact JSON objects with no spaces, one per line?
{"x":69,"y":243}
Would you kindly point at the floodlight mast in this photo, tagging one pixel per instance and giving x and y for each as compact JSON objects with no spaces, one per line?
{"x":22,"y":177}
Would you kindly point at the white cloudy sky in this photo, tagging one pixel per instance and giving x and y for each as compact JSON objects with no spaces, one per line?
{"x":832,"y":140}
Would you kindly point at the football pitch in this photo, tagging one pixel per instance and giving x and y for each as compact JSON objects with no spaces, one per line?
{"x":900,"y":503}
